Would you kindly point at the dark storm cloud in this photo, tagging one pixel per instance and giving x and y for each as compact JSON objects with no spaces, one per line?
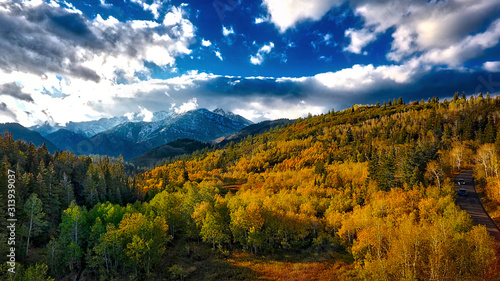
{"x":445,"y":83}
{"x":239,"y":93}
{"x":14,"y":90}
{"x":436,"y":83}
{"x":442,"y":84}
{"x":5,"y":111}
{"x":42,"y":39}
{"x":240,"y":87}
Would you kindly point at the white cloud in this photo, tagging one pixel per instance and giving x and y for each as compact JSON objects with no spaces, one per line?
{"x":276,"y":109}
{"x":106,"y":50}
{"x":87,"y":100}
{"x":255,"y":60}
{"x":219,"y":55}
{"x":185,"y":80}
{"x":143,"y":115}
{"x":153,"y":7}
{"x":258,"y":59}
{"x":159,"y":48}
{"x":206,"y":43}
{"x":328,"y":38}
{"x":361,"y":77}
{"x":105,"y":4}
{"x":291,"y":79}
{"x":379,"y":17}
{"x":429,"y":29}
{"x":469,"y":47}
{"x":78,"y":76}
{"x":174,"y":16}
{"x":285,"y":14}
{"x":492,"y":66}
{"x":235,"y":82}
{"x":130,"y":116}
{"x":227,"y":31}
{"x":146,"y":114}
{"x":262,"y":19}
{"x":267,"y":48}
{"x":359,"y":39}
{"x":187,"y":106}
{"x":250,"y":114}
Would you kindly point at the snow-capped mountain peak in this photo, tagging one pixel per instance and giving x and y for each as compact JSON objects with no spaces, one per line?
{"x":130,"y":135}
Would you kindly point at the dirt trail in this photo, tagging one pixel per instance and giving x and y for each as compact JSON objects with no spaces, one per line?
{"x":472,"y":205}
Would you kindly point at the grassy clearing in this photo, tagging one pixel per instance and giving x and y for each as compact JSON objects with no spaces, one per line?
{"x":193,"y":261}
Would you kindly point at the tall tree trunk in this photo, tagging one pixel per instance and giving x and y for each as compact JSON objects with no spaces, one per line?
{"x":29,"y":231}
{"x":76,"y":231}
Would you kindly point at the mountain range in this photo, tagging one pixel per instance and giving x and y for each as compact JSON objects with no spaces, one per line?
{"x":132,"y":136}
{"x":166,"y":134}
{"x":20,"y":132}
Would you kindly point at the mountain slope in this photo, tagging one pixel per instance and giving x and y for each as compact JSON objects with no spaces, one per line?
{"x":20,"y":132}
{"x":132,"y":139}
{"x":348,"y":177}
{"x":171,"y":149}
{"x":110,"y":144}
{"x":232,"y":116}
{"x":85,"y":128}
{"x":66,"y":140}
{"x":252,"y":130}
{"x":200,"y":124}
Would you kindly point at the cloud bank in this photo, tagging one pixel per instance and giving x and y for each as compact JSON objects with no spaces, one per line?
{"x":59,"y":65}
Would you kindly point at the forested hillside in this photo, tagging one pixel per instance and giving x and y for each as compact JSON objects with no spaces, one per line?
{"x":364,"y":193}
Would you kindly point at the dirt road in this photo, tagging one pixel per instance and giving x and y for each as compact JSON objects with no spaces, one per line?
{"x":472,"y":205}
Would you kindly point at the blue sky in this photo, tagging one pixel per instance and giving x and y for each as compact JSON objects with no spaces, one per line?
{"x":69,"y":60}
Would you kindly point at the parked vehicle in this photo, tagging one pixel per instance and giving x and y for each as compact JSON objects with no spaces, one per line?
{"x":462,"y":192}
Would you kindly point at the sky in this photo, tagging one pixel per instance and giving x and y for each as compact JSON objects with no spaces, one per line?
{"x":78,"y":60}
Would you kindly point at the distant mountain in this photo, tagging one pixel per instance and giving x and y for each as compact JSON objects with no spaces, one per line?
{"x":108,"y":143}
{"x":45,"y":128}
{"x":91,"y":128}
{"x":252,"y":130}
{"x":200,"y":124}
{"x":131,"y":139}
{"x":86,"y":128}
{"x":232,"y":116}
{"x":20,"y":132}
{"x":162,"y":115}
{"x":66,"y":140}
{"x":171,"y":149}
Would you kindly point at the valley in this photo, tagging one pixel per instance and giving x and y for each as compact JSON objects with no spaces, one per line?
{"x":357,"y":194}
{"x":132,"y":137}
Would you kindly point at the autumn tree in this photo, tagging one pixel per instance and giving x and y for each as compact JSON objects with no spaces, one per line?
{"x":246,"y":225}
{"x":460,"y":155}
{"x":169,"y":206}
{"x":212,"y":223}
{"x":485,"y":156}
{"x":434,"y":170}
{"x":143,"y":240}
